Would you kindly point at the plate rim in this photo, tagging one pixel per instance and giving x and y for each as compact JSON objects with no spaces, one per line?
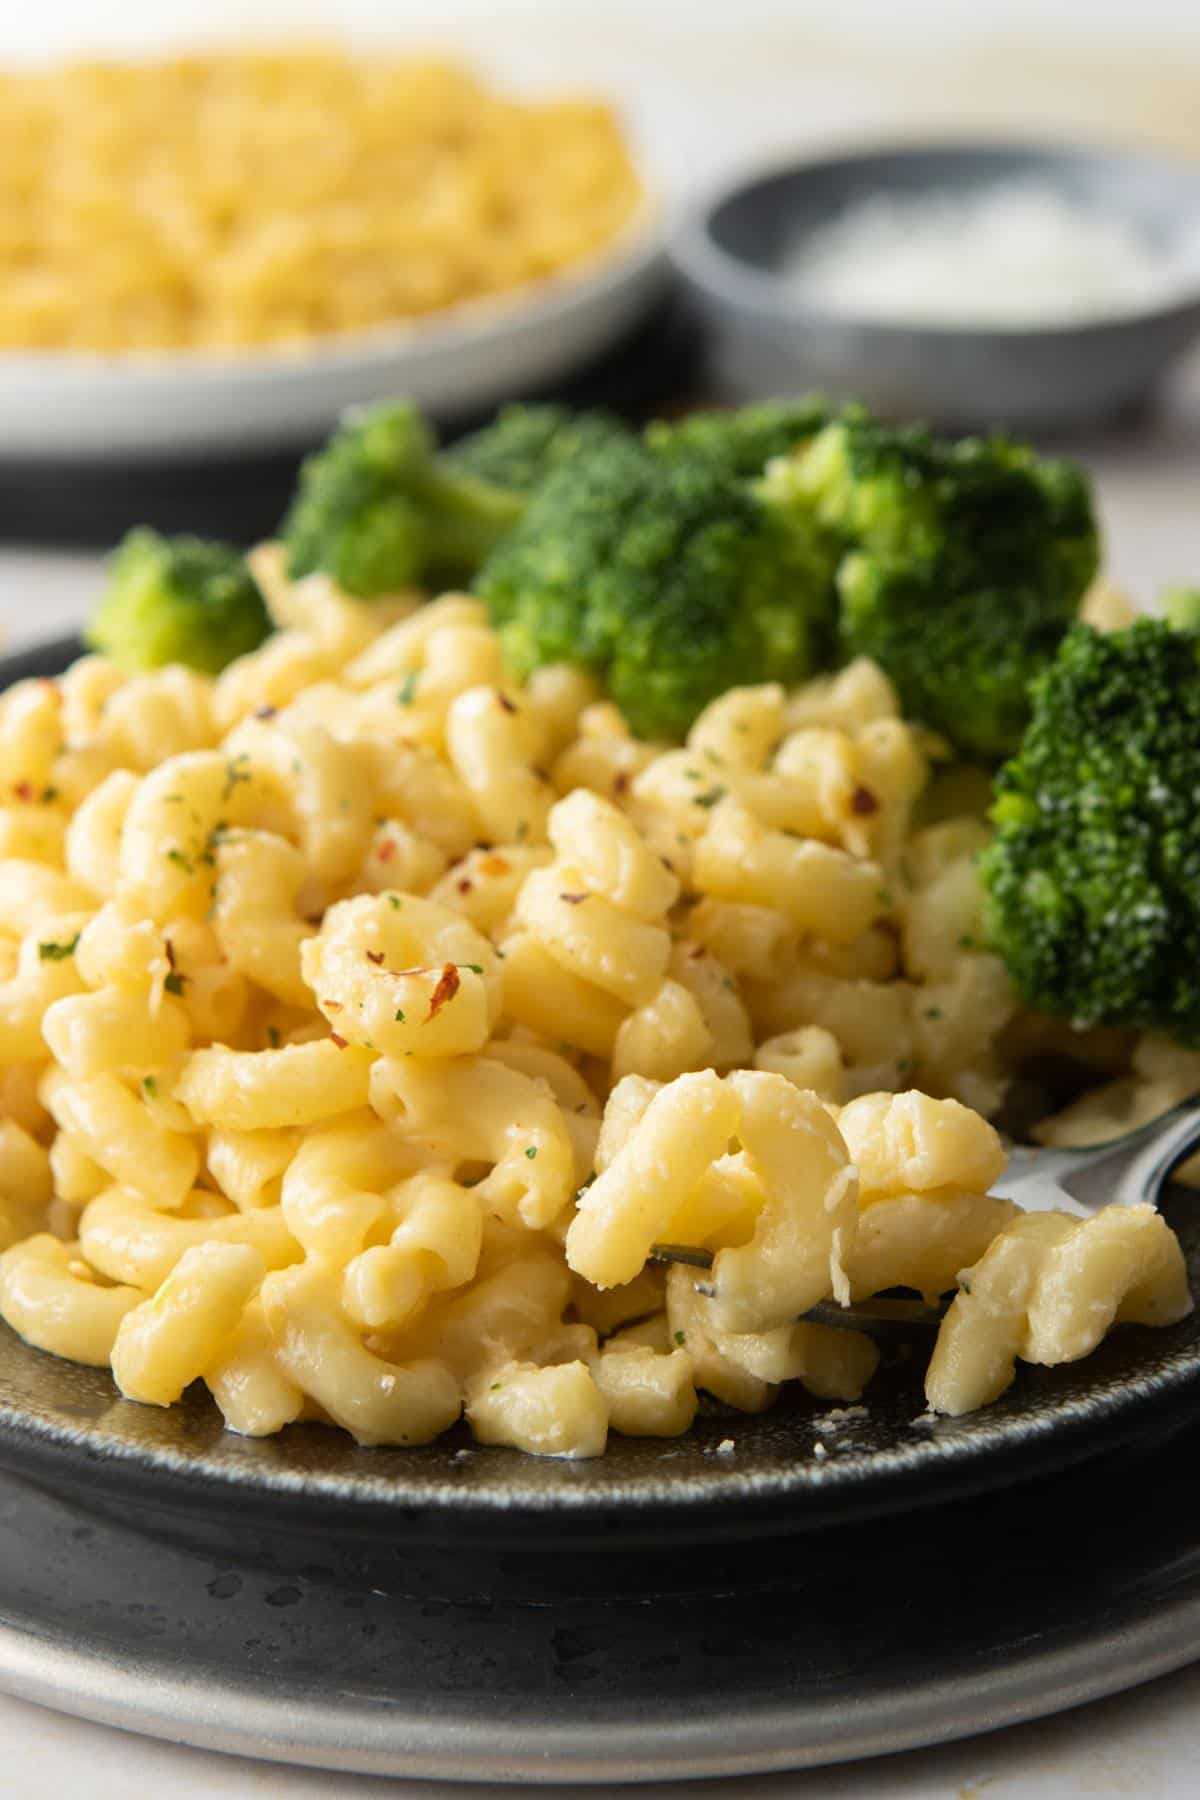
{"x":1131,"y":1637}
{"x":569,"y":1514}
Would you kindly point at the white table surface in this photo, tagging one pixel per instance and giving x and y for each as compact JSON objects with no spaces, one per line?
{"x":707,"y":106}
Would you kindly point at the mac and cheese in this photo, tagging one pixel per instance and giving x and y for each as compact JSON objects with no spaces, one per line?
{"x":360,"y":1036}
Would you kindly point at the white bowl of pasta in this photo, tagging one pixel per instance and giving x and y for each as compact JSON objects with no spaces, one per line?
{"x":220,"y":251}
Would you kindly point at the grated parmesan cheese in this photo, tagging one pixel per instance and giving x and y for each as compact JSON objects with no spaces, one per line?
{"x":1013,"y":255}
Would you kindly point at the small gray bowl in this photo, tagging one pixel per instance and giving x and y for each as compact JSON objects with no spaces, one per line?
{"x":768,"y":339}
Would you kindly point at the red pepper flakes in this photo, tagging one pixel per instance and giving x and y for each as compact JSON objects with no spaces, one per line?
{"x":508,"y":705}
{"x":334,"y":1038}
{"x":375,"y":956}
{"x":23,"y":790}
{"x":464,"y":884}
{"x":863,"y":801}
{"x":386,"y":850}
{"x":448,"y":984}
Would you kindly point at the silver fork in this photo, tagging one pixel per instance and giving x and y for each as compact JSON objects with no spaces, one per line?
{"x":1125,"y":1171}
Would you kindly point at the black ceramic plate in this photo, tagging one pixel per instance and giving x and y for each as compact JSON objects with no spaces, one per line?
{"x":67,"y":1426}
{"x":632,"y":1665}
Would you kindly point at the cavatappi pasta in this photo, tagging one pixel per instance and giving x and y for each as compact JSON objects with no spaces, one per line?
{"x":239,"y":198}
{"x":365,"y":1018}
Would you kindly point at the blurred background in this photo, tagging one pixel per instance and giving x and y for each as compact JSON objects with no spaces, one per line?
{"x":704,"y":90}
{"x":706,"y":82}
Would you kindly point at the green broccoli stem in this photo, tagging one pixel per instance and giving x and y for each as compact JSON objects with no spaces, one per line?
{"x":463,"y":519}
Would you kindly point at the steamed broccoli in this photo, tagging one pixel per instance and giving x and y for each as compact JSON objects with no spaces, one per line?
{"x":664,"y":574}
{"x":177,"y":599}
{"x":379,"y":510}
{"x":1093,"y":879}
{"x":962,"y":565}
{"x":764,"y":543}
{"x":745,"y":440}
{"x":524,"y":444}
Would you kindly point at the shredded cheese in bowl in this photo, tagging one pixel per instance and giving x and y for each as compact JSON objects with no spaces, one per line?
{"x":1012,"y":255}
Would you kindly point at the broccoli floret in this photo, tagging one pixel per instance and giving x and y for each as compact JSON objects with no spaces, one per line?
{"x":380,"y":511}
{"x":177,"y":599}
{"x":1181,"y":608}
{"x":747,"y":439}
{"x":1093,"y":878}
{"x":665,"y":575}
{"x":524,"y":444}
{"x":963,"y":565}
{"x":956,"y":566}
